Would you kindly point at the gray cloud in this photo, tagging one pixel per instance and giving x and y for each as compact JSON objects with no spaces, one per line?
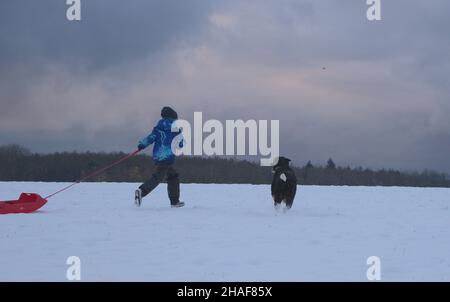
{"x":382,"y":100}
{"x":111,"y":31}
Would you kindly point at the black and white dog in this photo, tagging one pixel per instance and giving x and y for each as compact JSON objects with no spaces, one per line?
{"x":284,"y":183}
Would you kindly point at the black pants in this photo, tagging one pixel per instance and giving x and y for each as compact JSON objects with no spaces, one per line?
{"x":173,"y":182}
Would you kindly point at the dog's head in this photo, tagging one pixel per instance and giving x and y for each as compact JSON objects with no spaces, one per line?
{"x":282,"y":162}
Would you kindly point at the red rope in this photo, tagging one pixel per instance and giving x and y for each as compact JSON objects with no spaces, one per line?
{"x":95,"y":173}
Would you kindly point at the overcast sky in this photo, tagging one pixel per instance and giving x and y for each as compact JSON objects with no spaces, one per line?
{"x":372,"y":94}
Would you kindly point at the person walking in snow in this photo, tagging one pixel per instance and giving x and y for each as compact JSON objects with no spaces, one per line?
{"x":163,"y":157}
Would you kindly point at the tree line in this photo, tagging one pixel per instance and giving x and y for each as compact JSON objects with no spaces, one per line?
{"x":20,"y":164}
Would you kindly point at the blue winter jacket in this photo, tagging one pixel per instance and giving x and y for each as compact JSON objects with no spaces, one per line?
{"x":162,"y":137}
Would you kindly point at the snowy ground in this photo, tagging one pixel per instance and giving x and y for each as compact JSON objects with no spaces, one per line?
{"x":227,"y":233}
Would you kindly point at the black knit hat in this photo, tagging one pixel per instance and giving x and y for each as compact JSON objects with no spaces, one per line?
{"x":168,"y":112}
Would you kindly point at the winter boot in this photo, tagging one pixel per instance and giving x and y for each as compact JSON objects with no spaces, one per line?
{"x":179,"y":204}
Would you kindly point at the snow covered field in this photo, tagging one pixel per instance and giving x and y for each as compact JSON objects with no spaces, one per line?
{"x":227,"y":233}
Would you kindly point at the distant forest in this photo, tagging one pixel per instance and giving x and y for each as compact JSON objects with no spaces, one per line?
{"x":20,"y":164}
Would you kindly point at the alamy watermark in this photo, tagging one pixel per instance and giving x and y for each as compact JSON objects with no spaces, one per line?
{"x":73,"y":12}
{"x":374,"y":10}
{"x":374,"y":271}
{"x":236,"y":137}
{"x":73,"y":272}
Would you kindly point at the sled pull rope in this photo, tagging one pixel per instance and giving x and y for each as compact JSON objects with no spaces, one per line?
{"x":95,"y":173}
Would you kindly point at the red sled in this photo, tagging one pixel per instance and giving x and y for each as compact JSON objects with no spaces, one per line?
{"x":27,"y":203}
